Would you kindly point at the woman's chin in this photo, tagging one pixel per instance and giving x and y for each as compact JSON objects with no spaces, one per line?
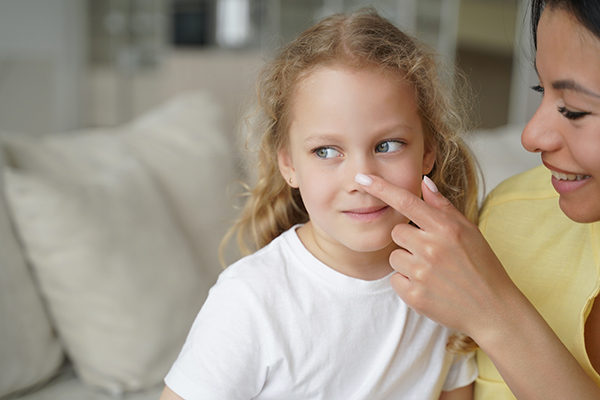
{"x":582,"y":213}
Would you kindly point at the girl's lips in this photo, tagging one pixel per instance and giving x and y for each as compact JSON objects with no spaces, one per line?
{"x":369,"y":214}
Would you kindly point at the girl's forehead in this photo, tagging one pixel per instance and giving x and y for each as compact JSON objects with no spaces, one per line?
{"x":395,"y":75}
{"x":326,"y":80}
{"x":340,"y":100}
{"x":320,"y":72}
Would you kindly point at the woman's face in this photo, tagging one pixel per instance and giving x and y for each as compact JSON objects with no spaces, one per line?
{"x":566,"y":127}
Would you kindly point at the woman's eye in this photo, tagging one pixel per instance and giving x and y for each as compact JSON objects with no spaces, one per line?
{"x":326,"y":152}
{"x":572,"y":114}
{"x":538,"y":88}
{"x":388,"y":146}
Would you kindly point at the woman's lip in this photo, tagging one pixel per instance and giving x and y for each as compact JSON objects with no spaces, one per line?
{"x":565,"y":182}
{"x":560,"y":171}
{"x":564,"y":186}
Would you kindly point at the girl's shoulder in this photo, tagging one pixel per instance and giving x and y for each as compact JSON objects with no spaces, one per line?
{"x":266,"y":266}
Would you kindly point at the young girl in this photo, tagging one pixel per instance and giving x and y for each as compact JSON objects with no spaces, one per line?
{"x":312,"y":314}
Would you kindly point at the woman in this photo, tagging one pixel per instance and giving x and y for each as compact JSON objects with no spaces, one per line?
{"x":542,"y":332}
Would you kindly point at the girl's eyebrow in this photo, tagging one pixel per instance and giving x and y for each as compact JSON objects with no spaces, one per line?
{"x":569,"y":84}
{"x":321,"y":137}
{"x":331,"y":137}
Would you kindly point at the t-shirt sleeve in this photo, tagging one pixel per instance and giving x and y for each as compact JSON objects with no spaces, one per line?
{"x":223,"y":357}
{"x":463,"y":372}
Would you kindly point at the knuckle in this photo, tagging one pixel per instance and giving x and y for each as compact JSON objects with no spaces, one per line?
{"x":398,"y":232}
{"x":422,"y":274}
{"x":406,"y":202}
{"x":395,"y":257}
{"x":430,"y":250}
{"x":448,"y":204}
{"x":416,"y":301}
{"x":452,"y":232}
{"x":379,"y":187}
{"x":418,"y":275}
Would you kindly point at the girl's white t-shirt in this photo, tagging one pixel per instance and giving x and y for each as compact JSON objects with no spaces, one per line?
{"x":280,"y":324}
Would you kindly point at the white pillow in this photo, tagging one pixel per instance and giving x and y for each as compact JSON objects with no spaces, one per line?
{"x":118,"y":275}
{"x":30,"y":352}
{"x":184,"y":146}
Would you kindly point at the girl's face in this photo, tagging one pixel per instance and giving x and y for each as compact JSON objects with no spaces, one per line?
{"x":346,"y":121}
{"x":566,"y":127}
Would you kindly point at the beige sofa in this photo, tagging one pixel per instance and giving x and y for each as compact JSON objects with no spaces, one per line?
{"x":500,"y":155}
{"x":108,"y":246}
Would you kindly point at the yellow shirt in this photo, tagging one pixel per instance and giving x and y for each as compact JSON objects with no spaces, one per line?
{"x":554,"y":261}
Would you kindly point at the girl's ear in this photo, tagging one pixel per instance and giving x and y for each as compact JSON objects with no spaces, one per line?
{"x":286,"y":167}
{"x":428,"y":161}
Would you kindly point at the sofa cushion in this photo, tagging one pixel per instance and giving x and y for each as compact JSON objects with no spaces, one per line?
{"x":66,"y":386}
{"x":119,"y":277}
{"x":500,"y":155}
{"x":30,"y":352}
{"x":183,"y":145}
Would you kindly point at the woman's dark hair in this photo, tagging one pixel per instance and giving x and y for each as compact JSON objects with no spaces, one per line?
{"x":587,"y":13}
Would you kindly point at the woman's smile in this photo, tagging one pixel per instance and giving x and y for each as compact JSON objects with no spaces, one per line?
{"x":566,"y":181}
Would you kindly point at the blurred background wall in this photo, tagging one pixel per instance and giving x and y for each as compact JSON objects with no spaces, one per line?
{"x":70,"y":64}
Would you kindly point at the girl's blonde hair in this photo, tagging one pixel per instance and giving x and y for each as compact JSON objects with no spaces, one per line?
{"x":360,"y":40}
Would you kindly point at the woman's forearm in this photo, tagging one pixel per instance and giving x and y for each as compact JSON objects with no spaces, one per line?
{"x":531,"y":358}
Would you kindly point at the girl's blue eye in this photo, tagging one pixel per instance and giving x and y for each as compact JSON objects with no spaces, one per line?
{"x":326,"y":152}
{"x":388,"y":146}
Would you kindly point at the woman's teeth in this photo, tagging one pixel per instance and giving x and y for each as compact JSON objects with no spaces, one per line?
{"x":568,"y":177}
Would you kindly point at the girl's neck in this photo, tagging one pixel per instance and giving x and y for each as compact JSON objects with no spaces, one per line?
{"x":367,"y":266}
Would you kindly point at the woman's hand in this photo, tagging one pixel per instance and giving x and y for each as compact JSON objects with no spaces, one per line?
{"x":448,"y":272}
{"x":446,"y":269}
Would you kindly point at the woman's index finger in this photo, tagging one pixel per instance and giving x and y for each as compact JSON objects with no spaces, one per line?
{"x":401,"y":200}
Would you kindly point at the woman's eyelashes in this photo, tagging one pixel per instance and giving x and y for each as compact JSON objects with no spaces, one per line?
{"x":387,"y":146}
{"x":572,"y":114}
{"x":538,"y":88}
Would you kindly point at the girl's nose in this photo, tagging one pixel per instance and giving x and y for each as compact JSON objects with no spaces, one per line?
{"x":361,"y":165}
{"x":542,"y":132}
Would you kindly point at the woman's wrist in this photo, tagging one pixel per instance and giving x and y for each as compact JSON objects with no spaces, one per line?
{"x":504,"y":318}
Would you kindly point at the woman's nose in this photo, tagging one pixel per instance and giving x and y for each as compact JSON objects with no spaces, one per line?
{"x":542,"y":132}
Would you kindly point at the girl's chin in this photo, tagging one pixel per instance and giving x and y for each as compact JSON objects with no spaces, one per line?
{"x":374,"y":247}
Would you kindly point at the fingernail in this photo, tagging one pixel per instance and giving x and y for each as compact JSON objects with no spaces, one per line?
{"x":430,"y":184}
{"x":363,"y":179}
